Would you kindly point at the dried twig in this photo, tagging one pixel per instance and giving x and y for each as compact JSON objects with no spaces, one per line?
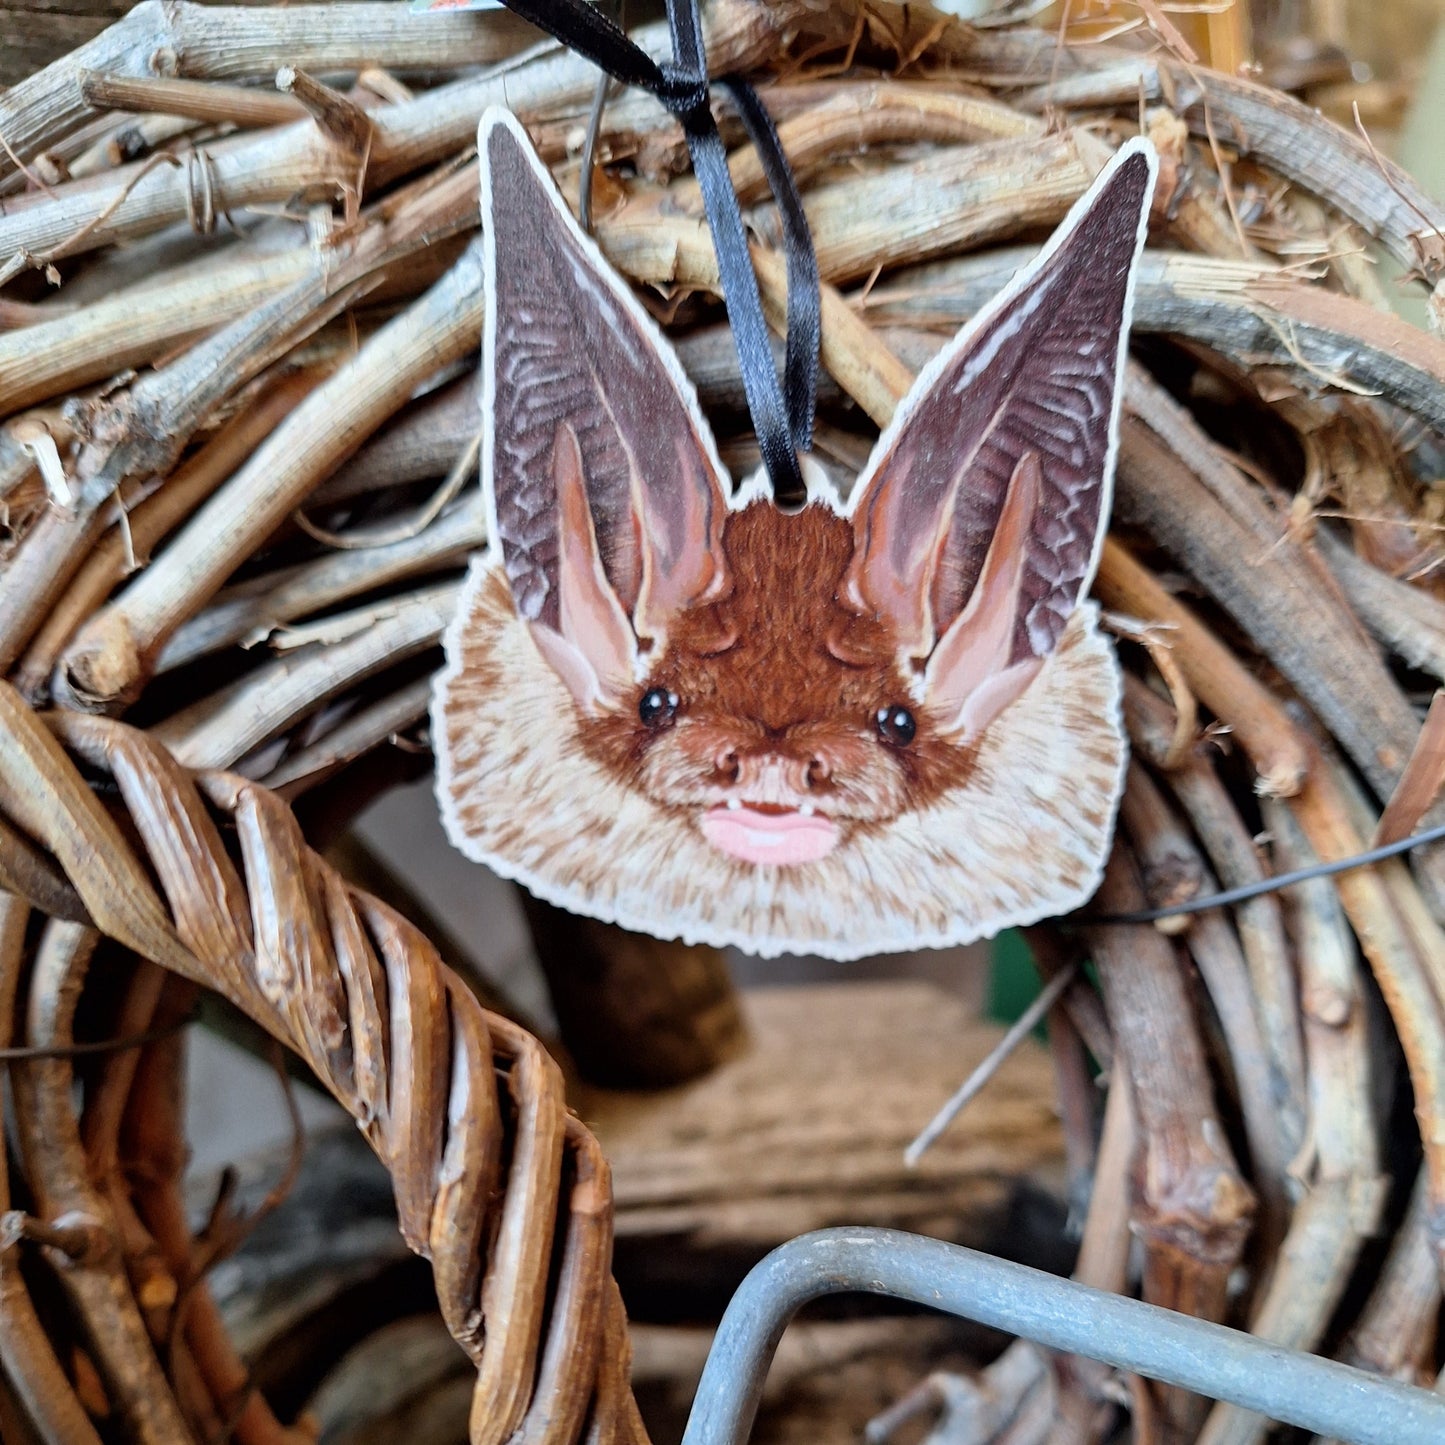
{"x":117,"y":648}
{"x":1193,"y":1211}
{"x":223,"y":728}
{"x":30,"y":1359}
{"x":55,"y":1165}
{"x":1420,"y":782}
{"x":977,"y":1081}
{"x":1394,"y":1334}
{"x":220,"y":104}
{"x":1169,"y":861}
{"x":265,"y":606}
{"x":195,"y":42}
{"x":1252,"y":311}
{"x":1283,"y":134}
{"x":108,"y":559}
{"x":1344,"y":1190}
{"x":1215,"y":819}
{"x":302,"y":158}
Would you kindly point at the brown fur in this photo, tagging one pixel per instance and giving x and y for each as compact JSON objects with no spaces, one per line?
{"x":764,"y":693}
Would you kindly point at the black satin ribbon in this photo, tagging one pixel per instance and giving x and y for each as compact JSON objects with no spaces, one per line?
{"x":782,"y":413}
{"x":805,"y":319}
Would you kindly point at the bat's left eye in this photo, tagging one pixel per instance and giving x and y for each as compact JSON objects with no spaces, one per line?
{"x":657,"y":708}
{"x":896,"y":725}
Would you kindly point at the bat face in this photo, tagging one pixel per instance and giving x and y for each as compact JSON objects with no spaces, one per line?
{"x":776,"y":720}
{"x":844,"y":730}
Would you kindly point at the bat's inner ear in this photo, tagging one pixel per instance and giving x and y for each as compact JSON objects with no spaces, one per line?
{"x":679,"y":529}
{"x":592,"y":647}
{"x":974,"y":673}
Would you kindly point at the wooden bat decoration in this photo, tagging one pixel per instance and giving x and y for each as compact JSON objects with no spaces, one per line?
{"x":866,"y":726}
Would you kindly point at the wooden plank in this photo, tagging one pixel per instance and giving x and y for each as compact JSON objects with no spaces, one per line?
{"x":807,"y":1129}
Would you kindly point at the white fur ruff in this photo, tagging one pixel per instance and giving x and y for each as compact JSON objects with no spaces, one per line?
{"x":1025,"y":838}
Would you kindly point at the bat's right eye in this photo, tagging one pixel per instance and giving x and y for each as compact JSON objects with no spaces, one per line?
{"x":896,"y":726}
{"x":657,"y":708}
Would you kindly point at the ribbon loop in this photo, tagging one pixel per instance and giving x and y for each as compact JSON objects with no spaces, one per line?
{"x":805,"y":321}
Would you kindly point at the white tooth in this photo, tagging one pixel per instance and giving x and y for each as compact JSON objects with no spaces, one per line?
{"x":806,"y":809}
{"x":733,"y":805}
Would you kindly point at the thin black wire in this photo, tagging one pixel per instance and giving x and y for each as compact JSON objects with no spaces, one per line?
{"x":589,"y":152}
{"x":20,"y":1053}
{"x":594,"y":133}
{"x":1247,"y":891}
{"x":783,"y":424}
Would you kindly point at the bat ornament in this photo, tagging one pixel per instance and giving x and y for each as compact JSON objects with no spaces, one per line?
{"x":867,"y":725}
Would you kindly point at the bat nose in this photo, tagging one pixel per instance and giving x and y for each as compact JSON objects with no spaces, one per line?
{"x":767,"y":771}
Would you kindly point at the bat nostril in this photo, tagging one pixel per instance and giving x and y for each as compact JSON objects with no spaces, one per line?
{"x":818,"y":772}
{"x":726,"y":764}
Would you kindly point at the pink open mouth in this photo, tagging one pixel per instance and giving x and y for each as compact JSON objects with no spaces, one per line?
{"x":754,"y":836}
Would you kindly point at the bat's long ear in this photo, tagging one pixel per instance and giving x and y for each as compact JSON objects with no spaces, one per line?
{"x":603,"y":486}
{"x":980,"y":515}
